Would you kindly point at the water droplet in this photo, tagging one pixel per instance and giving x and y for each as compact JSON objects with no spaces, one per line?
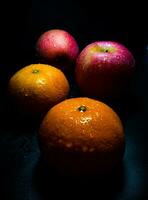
{"x":40,"y":81}
{"x":85,"y":120}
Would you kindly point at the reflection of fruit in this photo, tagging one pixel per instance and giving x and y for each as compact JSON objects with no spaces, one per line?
{"x":104,"y":68}
{"x":38,"y":87}
{"x":58,"y":48}
{"x":82,"y":135}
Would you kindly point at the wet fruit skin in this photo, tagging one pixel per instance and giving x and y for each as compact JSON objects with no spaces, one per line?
{"x":82,"y":136}
{"x":37,"y":87}
{"x":104,"y":69}
{"x":58,"y":47}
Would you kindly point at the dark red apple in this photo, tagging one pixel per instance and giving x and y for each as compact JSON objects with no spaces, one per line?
{"x":104,"y":69}
{"x":57,"y":47}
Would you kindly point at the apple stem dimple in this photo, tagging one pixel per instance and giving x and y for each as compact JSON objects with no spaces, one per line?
{"x":35,"y":71}
{"x":104,"y":50}
{"x":82,"y":108}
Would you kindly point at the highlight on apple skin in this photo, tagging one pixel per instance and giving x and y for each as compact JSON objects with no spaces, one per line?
{"x":104,"y":69}
{"x":58,"y":48}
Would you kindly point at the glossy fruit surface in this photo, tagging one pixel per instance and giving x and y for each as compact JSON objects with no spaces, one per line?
{"x":104,"y":69}
{"x":82,"y":135}
{"x":38,"y":87}
{"x":58,"y":47}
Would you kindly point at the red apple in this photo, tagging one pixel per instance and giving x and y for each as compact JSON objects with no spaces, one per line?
{"x":57,"y":47}
{"x":104,"y":68}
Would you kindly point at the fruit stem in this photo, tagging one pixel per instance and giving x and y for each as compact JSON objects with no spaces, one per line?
{"x":104,"y":50}
{"x":35,"y":71}
{"x":82,"y":108}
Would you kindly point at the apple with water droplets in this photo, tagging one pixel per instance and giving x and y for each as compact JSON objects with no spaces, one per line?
{"x":104,"y":69}
{"x":57,"y":47}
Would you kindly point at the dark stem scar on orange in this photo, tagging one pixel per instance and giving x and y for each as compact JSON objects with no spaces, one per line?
{"x":82,"y":108}
{"x":35,"y":71}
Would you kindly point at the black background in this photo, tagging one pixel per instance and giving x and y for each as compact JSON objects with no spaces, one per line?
{"x":22,"y":172}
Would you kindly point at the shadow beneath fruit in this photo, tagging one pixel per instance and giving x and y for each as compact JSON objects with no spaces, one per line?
{"x":49,"y":184}
{"x":127,"y":106}
{"x":132,"y":99}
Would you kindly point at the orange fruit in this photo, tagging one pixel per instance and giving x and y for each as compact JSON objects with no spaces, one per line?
{"x":82,"y":136}
{"x":38,"y":87}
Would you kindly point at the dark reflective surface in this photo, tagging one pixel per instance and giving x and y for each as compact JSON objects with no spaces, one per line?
{"x":23,"y":173}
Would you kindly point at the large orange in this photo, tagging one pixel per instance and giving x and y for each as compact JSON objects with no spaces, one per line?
{"x":38,"y":87}
{"x":82,"y":135}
